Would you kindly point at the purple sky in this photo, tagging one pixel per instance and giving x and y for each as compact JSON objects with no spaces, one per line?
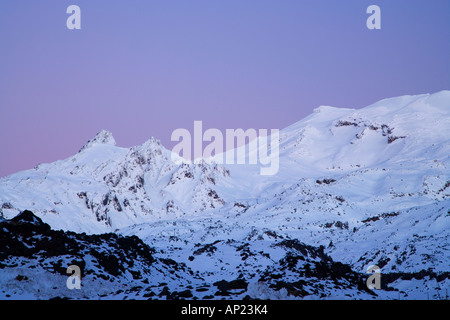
{"x":144,"y":68}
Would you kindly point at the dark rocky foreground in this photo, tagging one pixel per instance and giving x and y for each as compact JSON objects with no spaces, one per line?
{"x":27,"y":236}
{"x":34,"y":261}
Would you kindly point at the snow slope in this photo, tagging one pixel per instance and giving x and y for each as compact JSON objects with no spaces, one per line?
{"x":371,"y":186}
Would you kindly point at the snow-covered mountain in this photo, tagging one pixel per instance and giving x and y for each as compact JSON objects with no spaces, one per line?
{"x":368,"y":187}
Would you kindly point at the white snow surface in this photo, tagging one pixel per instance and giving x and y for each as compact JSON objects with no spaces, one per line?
{"x":371,"y":185}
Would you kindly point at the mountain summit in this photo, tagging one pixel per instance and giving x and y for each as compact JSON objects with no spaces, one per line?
{"x":103,"y":137}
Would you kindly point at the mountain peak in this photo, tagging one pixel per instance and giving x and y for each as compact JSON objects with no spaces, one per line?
{"x":103,"y":137}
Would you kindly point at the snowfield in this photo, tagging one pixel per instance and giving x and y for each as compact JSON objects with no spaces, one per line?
{"x":355,"y":188}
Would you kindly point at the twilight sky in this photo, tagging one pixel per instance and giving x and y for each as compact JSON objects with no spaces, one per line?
{"x":144,"y":68}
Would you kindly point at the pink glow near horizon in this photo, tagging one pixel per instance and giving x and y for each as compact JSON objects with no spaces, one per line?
{"x":145,"y":68}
